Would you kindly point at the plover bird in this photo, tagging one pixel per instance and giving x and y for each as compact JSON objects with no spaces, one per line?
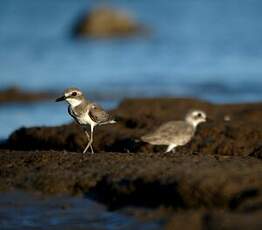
{"x":85,"y":113}
{"x":176,"y":133}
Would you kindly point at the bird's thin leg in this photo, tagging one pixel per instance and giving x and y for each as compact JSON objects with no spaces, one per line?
{"x":86,"y":148}
{"x":92,"y":138}
{"x":91,"y":147}
{"x":170,"y":147}
{"x":90,"y":141}
{"x":87,"y":135}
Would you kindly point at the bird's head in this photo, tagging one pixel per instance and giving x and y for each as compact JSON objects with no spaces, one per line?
{"x":196,"y":117}
{"x":73,"y":96}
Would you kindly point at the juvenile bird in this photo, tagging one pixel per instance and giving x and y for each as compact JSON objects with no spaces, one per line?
{"x":85,"y":113}
{"x":176,"y":133}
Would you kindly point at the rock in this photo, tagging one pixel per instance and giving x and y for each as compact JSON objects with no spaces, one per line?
{"x":224,"y":186}
{"x":213,"y":182}
{"x":106,"y":22}
{"x":178,"y":180}
{"x":14,"y":94}
{"x":215,"y":220}
{"x":241,"y":135}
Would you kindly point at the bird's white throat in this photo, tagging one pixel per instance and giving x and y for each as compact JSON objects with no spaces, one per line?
{"x":73,"y":102}
{"x":193,"y":122}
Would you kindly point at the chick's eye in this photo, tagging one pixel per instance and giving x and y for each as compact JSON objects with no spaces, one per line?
{"x":74,"y":94}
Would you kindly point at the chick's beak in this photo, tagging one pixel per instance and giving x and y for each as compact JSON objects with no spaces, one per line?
{"x":60,"y":99}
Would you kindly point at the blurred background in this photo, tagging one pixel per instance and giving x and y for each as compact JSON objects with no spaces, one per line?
{"x":203,"y":49}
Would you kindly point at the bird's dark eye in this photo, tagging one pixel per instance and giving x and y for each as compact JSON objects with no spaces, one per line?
{"x":74,"y":94}
{"x":198,"y":115}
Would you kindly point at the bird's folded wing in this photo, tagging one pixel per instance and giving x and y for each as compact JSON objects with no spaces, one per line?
{"x":97,"y":114}
{"x":170,"y":131}
{"x":176,"y":128}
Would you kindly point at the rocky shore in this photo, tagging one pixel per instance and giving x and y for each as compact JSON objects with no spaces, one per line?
{"x":14,"y":94}
{"x":214,"y":182}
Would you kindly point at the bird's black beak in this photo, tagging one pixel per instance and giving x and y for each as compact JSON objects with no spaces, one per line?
{"x":60,"y":99}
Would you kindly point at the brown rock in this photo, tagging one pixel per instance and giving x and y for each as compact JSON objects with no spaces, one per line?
{"x":200,"y":191}
{"x":215,"y":220}
{"x":14,"y":94}
{"x":242,"y":135}
{"x":177,"y":180}
{"x":106,"y":22}
{"x":214,"y":182}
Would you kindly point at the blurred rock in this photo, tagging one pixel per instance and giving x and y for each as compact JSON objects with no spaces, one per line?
{"x":215,"y":220}
{"x":14,"y":94}
{"x":106,"y":22}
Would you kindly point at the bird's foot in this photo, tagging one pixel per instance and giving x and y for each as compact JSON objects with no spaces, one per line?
{"x":87,"y":147}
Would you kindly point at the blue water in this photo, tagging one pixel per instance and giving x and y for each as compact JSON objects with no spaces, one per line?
{"x":19,"y":210}
{"x":205,"y":49}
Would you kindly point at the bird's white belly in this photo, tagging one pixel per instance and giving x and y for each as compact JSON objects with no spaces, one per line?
{"x":85,"y":119}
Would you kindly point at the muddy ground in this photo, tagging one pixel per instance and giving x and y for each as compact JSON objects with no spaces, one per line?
{"x":214,"y":182}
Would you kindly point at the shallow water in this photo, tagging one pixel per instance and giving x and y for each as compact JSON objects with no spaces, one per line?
{"x":205,"y":49}
{"x":20,"y":210}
